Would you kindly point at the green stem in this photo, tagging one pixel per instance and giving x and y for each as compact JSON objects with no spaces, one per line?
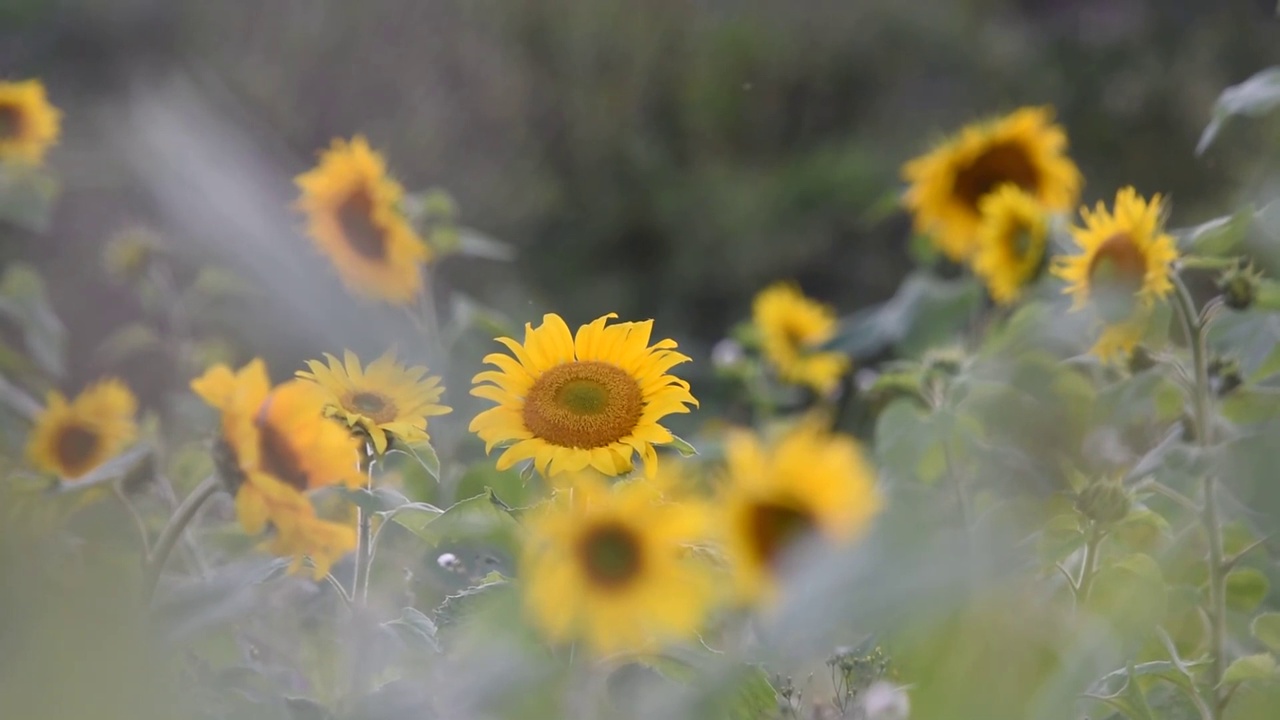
{"x":1088,"y":568}
{"x":182,"y":517}
{"x":364,"y":537}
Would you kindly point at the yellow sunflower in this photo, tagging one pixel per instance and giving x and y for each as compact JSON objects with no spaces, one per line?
{"x":1012,"y":240}
{"x":791,"y":328}
{"x":568,"y":402}
{"x":353,"y":215}
{"x":1123,"y":268}
{"x":1025,"y":149}
{"x":807,"y":485}
{"x":610,"y":565}
{"x":385,"y":397}
{"x":267,"y":505}
{"x":72,"y":438}
{"x":29,"y":124}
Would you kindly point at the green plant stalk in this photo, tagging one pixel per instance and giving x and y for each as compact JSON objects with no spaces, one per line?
{"x":182,"y":517}
{"x":364,"y":536}
{"x":1088,"y":568}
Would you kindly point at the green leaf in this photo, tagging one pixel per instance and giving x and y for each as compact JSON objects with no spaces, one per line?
{"x":1250,"y":667}
{"x":476,"y":520}
{"x":424,"y":453}
{"x":417,"y":631}
{"x":378,"y":500}
{"x":476,"y":244}
{"x":27,"y":196}
{"x":128,"y":341}
{"x":925,"y":311}
{"x":1266,"y":627}
{"x":414,"y":516}
{"x":1252,"y":98}
{"x":23,"y":298}
{"x":459,"y":606}
{"x":1217,"y":237}
{"x":682,"y":446}
{"x":1246,"y":588}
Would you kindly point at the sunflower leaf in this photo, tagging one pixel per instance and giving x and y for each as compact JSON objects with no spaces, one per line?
{"x":1254,"y":97}
{"x":424,"y":453}
{"x":377,"y":500}
{"x":415,"y":630}
{"x":1250,"y":667}
{"x":683,"y":446}
{"x":478,"y":520}
{"x":476,"y":244}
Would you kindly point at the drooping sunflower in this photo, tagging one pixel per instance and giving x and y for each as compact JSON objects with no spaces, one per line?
{"x":1012,"y":240}
{"x":71,"y":438}
{"x":1025,"y":149}
{"x":354,"y":217}
{"x":792,"y":328}
{"x":385,"y":397}
{"x":610,"y":565}
{"x":568,"y":402}
{"x":267,"y":504}
{"x":1123,"y":268}
{"x":29,"y":123}
{"x":807,"y":485}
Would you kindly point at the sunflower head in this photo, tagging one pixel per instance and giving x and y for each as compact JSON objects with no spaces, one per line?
{"x":792,"y":328}
{"x":383,"y":398}
{"x":571,"y":401}
{"x":947,"y":185}
{"x":71,"y":438}
{"x":264,"y":504}
{"x":29,"y":124}
{"x":808,"y":485}
{"x":1012,"y":240}
{"x":354,"y":217}
{"x":610,"y":564}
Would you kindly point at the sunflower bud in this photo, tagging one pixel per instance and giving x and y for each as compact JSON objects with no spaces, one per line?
{"x":1224,"y":375}
{"x":128,"y":255}
{"x":1239,"y":286}
{"x":1105,"y":502}
{"x":1140,"y":360}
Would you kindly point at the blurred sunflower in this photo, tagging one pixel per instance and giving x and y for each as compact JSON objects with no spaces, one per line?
{"x":611,"y":565}
{"x":295,"y":529}
{"x":1012,"y":240}
{"x":792,"y":328}
{"x":1122,"y":269}
{"x":72,"y":438}
{"x":353,"y":215}
{"x":1025,"y":149}
{"x":385,"y":397}
{"x":807,"y":485}
{"x":29,"y":124}
{"x":569,"y":402}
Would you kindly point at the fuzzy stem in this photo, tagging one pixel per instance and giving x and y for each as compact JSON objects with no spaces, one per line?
{"x":182,"y":517}
{"x":364,"y":537}
{"x":1088,"y":568}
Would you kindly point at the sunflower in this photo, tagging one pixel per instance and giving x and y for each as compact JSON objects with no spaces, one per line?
{"x":1025,"y":149}
{"x":354,"y":217}
{"x":72,"y":438}
{"x":807,"y":485}
{"x":1123,"y":268}
{"x":1012,"y":240}
{"x":265,"y":504}
{"x":791,"y":328}
{"x":610,"y":564}
{"x":594,"y":399}
{"x":29,"y":124}
{"x":383,"y":398}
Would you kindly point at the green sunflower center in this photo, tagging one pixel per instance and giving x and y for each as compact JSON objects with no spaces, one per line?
{"x":773,"y":529}
{"x":1001,"y":163}
{"x":375,"y":406}
{"x":1116,"y":274}
{"x":10,"y":121}
{"x":611,"y":555}
{"x":586,"y":404}
{"x":277,"y":455}
{"x":76,"y":447}
{"x":355,"y":215}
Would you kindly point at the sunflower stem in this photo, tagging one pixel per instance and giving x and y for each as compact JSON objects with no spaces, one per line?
{"x":364,"y":536}
{"x":1088,"y":568}
{"x":169,"y":537}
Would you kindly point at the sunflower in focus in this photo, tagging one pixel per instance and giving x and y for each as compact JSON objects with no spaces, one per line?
{"x":71,"y":438}
{"x":1012,"y":240}
{"x":610,"y":564}
{"x":792,"y":328}
{"x":807,"y":485}
{"x":29,"y":124}
{"x":571,"y":401}
{"x":1024,"y":149}
{"x":1123,"y":268}
{"x":383,"y":398}
{"x":353,"y":215}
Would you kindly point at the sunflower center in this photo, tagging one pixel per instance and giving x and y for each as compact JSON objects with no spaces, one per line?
{"x":376,"y":406}
{"x":586,"y":404}
{"x":774,"y":529}
{"x":355,"y":215}
{"x":1116,"y":274}
{"x":999,"y":164}
{"x":795,"y":335}
{"x":277,"y":455}
{"x":76,"y":447}
{"x":611,"y":555}
{"x":10,"y":121}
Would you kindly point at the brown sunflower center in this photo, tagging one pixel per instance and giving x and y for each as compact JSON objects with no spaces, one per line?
{"x":1116,"y":273}
{"x":795,"y":336}
{"x":76,"y":447}
{"x":276,"y":454}
{"x":10,"y":121}
{"x":586,"y":404}
{"x":611,"y":555}
{"x":375,"y":406}
{"x":773,"y":529}
{"x":999,"y":164}
{"x":355,"y":215}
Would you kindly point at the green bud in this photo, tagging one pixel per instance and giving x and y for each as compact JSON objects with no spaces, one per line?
{"x":1104,"y":502}
{"x":1239,"y":286}
{"x":128,"y":254}
{"x":1225,"y":375}
{"x":1140,"y":360}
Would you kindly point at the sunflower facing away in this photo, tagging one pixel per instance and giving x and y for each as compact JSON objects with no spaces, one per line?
{"x":568,"y":402}
{"x":353,"y":216}
{"x":791,"y":328}
{"x":1123,"y":268}
{"x":1012,"y":240}
{"x":71,"y":438}
{"x":383,"y":398}
{"x":807,"y":485}
{"x":29,"y":124}
{"x":280,"y":446}
{"x":610,"y":564}
{"x":1025,"y":149}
